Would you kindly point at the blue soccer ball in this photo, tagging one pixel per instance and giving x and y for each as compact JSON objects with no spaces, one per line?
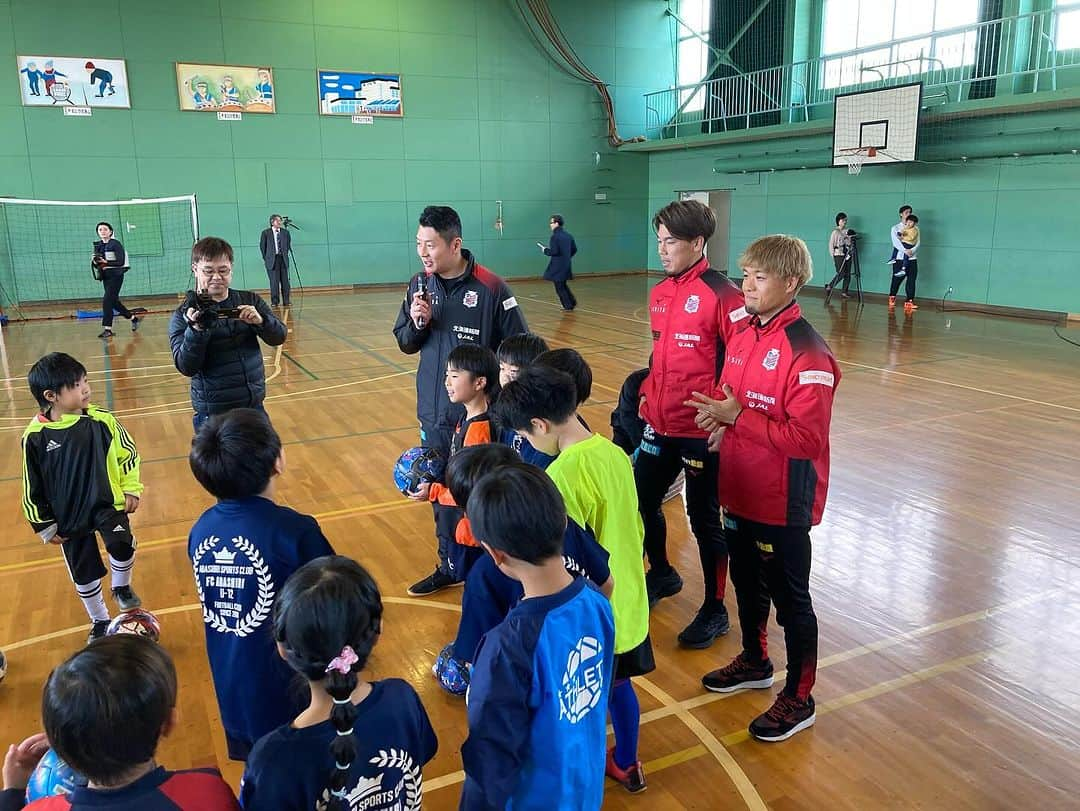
{"x":416,"y":466}
{"x":52,"y":777}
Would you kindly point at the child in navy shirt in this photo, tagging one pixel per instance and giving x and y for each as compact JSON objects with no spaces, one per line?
{"x":242,"y":551}
{"x":489,"y":593}
{"x":104,"y":711}
{"x":537,"y":702}
{"x":514,"y":354}
{"x":358,"y":744}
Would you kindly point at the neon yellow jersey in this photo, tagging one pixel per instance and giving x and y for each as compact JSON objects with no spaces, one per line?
{"x":597,"y":484}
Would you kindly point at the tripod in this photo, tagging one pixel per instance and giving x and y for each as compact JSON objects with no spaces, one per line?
{"x":849,"y":265}
{"x":288,"y":223}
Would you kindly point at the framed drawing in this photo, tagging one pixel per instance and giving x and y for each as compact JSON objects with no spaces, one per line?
{"x":78,"y":81}
{"x":347,"y":92}
{"x":225,"y":88}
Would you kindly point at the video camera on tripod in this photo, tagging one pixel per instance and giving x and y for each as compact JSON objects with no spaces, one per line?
{"x":207,"y":311}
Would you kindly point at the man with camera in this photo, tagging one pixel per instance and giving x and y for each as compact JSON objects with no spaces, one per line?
{"x":215,"y":335}
{"x":841,"y":242}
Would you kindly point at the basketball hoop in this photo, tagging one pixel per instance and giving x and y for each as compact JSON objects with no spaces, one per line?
{"x":855,"y":158}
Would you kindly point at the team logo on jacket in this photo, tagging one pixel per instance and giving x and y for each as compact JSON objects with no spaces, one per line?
{"x":234,"y":584}
{"x":471,"y":299}
{"x":692,"y":304}
{"x":772,"y":359}
{"x":583,"y":681}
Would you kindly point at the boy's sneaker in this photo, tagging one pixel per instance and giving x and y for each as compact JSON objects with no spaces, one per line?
{"x":892,"y":302}
{"x":135,"y":321}
{"x":900,"y":274}
{"x":662,"y":584}
{"x":105,"y":333}
{"x":452,"y":674}
{"x":97,"y":630}
{"x":126,"y":598}
{"x":436,"y":581}
{"x":705,"y":627}
{"x":632,"y":778}
{"x":784,"y":718}
{"x":741,"y":674}
{"x":909,"y":306}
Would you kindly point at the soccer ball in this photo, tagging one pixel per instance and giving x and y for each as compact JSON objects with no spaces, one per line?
{"x":51,"y":778}
{"x":3,"y":665}
{"x":137,"y":621}
{"x":416,"y":466}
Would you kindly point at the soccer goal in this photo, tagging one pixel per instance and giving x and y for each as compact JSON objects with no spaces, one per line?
{"x":46,"y":246}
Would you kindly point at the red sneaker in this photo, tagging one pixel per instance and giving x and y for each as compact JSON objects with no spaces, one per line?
{"x":632,"y":779}
{"x":892,"y":302}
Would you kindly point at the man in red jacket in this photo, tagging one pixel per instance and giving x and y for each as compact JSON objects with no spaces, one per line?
{"x":693,"y":312}
{"x":772,"y":429}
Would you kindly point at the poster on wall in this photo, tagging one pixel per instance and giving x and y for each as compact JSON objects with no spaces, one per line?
{"x":76,"y":81}
{"x":347,"y":92}
{"x":225,"y":88}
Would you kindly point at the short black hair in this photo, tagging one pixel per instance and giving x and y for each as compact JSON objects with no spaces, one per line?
{"x":522,"y":349}
{"x":557,"y":218}
{"x":54,"y":372}
{"x":519,"y":510}
{"x":479,"y":361}
{"x":840,"y":216}
{"x":233,"y":454}
{"x":540,"y":392}
{"x":104,"y":708}
{"x":274,"y":217}
{"x":210,"y":248}
{"x":912,"y":217}
{"x":571,"y":362}
{"x":443,"y":219}
{"x":107,"y":225}
{"x":904,"y":208}
{"x":469,"y":465}
{"x":686,"y":220}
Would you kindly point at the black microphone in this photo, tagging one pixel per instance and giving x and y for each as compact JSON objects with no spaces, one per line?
{"x":288,"y":223}
{"x":423,"y":293}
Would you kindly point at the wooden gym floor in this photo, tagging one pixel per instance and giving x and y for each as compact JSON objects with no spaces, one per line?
{"x":944,"y":574}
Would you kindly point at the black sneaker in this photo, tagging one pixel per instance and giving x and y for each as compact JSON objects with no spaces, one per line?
{"x":436,"y":581}
{"x":740,"y":674}
{"x":135,"y":321}
{"x":105,"y":333}
{"x":126,"y":598}
{"x":97,"y":630}
{"x":706,"y":626}
{"x":661,"y":585}
{"x":784,"y":718}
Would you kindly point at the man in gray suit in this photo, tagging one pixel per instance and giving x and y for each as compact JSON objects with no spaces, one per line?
{"x":274,"y":244}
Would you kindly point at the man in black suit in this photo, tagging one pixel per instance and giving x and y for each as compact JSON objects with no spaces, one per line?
{"x":274,"y":244}
{"x":560,"y":249}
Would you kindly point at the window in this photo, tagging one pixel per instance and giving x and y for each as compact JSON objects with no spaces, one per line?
{"x":1066,"y":27}
{"x":693,"y":52}
{"x":905,"y":31}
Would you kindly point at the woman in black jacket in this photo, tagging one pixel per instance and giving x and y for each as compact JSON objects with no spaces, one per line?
{"x":110,"y":259}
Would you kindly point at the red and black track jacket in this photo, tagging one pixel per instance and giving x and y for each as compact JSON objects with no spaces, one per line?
{"x":693,"y":317}
{"x":774,"y":461}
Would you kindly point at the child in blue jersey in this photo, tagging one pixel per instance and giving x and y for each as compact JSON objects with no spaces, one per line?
{"x":597,"y":485}
{"x":537,"y":727}
{"x":490,"y":594}
{"x":358,"y":744}
{"x":104,"y":711}
{"x":242,"y":550}
{"x":514,"y":354}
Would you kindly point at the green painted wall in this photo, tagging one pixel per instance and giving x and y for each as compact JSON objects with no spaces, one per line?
{"x":487,"y":118}
{"x":999,"y":231}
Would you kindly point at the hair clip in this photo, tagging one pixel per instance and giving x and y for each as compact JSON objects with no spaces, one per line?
{"x":344,"y":661}
{"x":343,"y":700}
{"x":344,"y":767}
{"x":340,"y":793}
{"x":343,"y":733}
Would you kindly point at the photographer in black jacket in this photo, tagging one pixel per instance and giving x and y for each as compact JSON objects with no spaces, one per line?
{"x":215,"y":335}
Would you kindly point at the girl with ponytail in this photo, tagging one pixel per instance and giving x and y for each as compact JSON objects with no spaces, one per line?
{"x":358,"y":743}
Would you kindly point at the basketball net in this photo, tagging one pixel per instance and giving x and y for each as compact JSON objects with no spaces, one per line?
{"x":856,"y":158}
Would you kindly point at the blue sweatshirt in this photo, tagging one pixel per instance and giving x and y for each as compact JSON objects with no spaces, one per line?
{"x":242,"y":552}
{"x":537,"y":705}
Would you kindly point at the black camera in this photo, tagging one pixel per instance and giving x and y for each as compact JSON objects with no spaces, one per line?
{"x":207,"y":311}
{"x":852,"y":235}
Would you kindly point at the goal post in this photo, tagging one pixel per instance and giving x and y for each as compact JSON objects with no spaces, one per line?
{"x":46,"y":245}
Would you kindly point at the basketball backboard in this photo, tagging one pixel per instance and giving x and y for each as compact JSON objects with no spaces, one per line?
{"x":885,"y":121}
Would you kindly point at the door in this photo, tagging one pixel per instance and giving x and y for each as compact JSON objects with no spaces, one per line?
{"x":717,"y":250}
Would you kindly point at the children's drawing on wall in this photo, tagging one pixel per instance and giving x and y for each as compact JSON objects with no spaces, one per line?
{"x":344,"y":92}
{"x":225,"y":88}
{"x":54,"y":81}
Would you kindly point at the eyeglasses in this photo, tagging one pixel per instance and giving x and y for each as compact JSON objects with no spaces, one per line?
{"x":221,"y":274}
